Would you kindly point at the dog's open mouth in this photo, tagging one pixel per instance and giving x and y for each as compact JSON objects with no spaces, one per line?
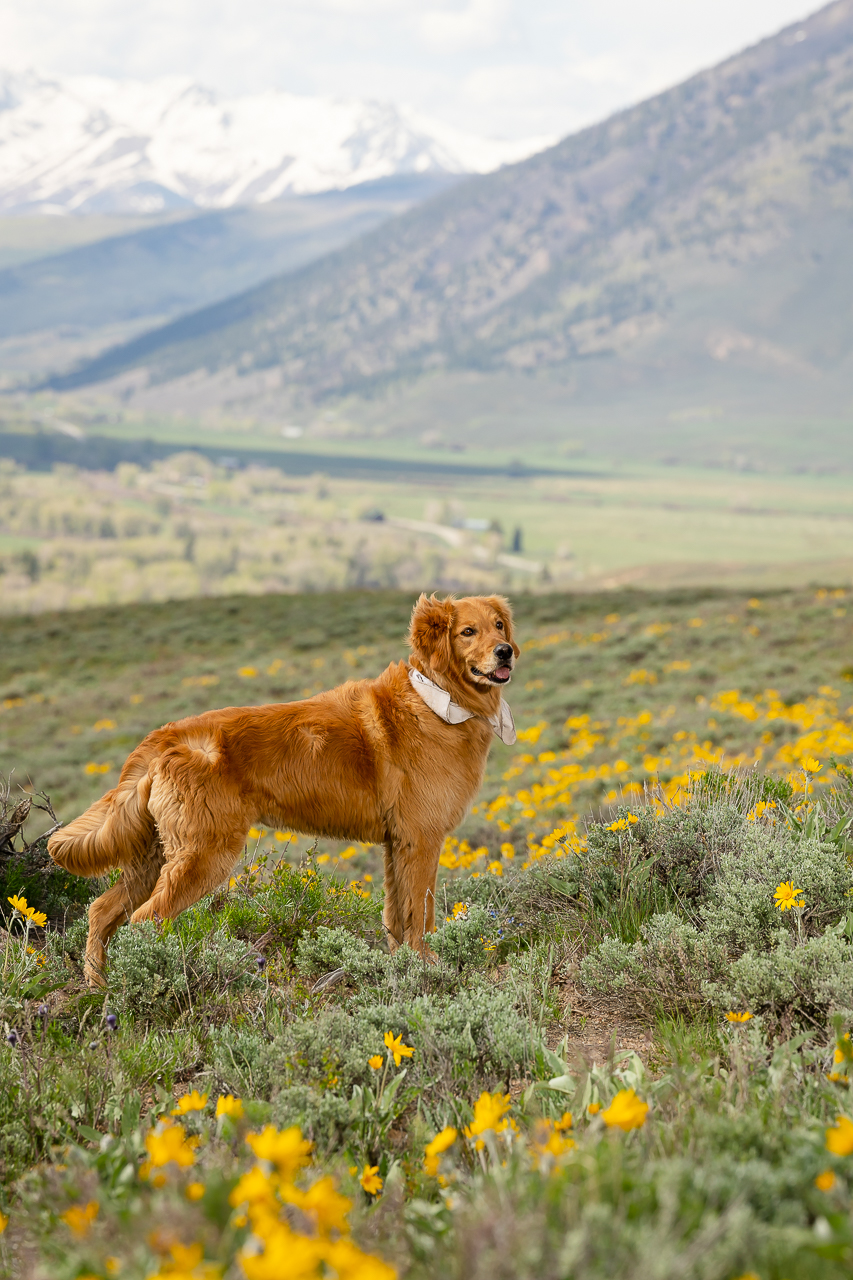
{"x":500,"y":675}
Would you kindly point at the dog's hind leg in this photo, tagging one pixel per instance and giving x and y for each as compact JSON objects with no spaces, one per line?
{"x":203,"y":825}
{"x":187,"y":876}
{"x":115,"y":907}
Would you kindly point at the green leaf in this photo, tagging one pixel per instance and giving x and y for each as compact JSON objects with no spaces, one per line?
{"x":90,"y":1134}
{"x":563,"y":1084}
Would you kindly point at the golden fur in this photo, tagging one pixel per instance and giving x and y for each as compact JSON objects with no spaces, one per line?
{"x":365,"y":761}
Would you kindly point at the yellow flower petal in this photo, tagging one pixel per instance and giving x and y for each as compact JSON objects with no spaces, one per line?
{"x":626,"y":1111}
{"x":370,"y":1180}
{"x":193,"y":1101}
{"x":839,"y":1139}
{"x":228,"y":1105}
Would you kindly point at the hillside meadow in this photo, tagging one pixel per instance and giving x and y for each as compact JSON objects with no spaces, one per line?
{"x":632,"y":1056}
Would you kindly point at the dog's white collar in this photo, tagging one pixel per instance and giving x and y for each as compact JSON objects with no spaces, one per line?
{"x":440,"y":701}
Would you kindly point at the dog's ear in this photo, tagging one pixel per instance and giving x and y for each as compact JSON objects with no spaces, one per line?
{"x":503,"y":609}
{"x":430,"y":631}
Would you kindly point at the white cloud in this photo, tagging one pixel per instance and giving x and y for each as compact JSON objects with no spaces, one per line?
{"x":454,"y":28}
{"x":495,"y":67}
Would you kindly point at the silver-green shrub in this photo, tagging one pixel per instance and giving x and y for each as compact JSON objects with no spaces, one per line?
{"x":730,"y":945}
{"x":154,"y":975}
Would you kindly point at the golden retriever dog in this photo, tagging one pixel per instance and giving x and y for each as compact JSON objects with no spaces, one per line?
{"x":395,"y":761}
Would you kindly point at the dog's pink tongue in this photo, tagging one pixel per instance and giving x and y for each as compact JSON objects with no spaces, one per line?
{"x":503,"y":673}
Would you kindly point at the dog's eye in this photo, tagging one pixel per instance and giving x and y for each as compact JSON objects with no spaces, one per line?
{"x":499,"y":625}
{"x":469,"y":631}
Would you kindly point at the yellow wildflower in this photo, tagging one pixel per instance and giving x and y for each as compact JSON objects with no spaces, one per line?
{"x":398,"y":1050}
{"x":739,"y":1017}
{"x":169,"y":1144}
{"x":626,"y":1111}
{"x":287,"y":1150}
{"x":287,"y":1254}
{"x":20,"y":905}
{"x":839,"y":1139}
{"x":787,"y":896}
{"x":346,"y":1259}
{"x":370,"y":1179}
{"x":228,"y":1105}
{"x":376,"y":1062}
{"x":495,"y":868}
{"x":254,"y":1188}
{"x":549,"y":1141}
{"x":80,"y":1218}
{"x":187,"y":1263}
{"x":825,"y":1181}
{"x":194,"y":1190}
{"x":811,"y":765}
{"x":4,"y":1222}
{"x":193,"y":1101}
{"x":489,"y":1113}
{"x":440,"y":1143}
{"x":594,"y":1108}
{"x":323,"y":1202}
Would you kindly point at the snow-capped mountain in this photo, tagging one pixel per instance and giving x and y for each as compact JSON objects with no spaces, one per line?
{"x":84,"y":144}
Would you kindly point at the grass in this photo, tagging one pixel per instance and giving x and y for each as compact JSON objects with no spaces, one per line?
{"x":80,"y":690}
{"x":609,"y":902}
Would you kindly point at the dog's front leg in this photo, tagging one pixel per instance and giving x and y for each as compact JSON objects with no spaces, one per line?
{"x":392,"y":915}
{"x":415,"y":867}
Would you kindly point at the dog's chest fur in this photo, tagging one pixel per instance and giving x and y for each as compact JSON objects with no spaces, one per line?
{"x":430,"y":771}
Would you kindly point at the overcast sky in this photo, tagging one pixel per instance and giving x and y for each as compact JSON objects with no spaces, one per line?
{"x":509,"y":68}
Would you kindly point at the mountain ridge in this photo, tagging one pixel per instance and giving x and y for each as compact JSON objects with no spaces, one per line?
{"x":91,"y":144}
{"x":595,"y":257}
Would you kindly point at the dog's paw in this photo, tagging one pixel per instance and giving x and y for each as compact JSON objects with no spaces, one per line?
{"x":95,"y":977}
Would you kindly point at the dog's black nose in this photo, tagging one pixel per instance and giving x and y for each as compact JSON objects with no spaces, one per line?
{"x":503,"y":652}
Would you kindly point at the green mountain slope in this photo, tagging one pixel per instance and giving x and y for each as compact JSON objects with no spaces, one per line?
{"x":697,"y":243}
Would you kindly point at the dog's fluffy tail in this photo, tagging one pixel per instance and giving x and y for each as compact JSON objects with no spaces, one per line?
{"x":115,"y":831}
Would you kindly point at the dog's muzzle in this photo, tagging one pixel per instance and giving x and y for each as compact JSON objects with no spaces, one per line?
{"x":503,"y":665}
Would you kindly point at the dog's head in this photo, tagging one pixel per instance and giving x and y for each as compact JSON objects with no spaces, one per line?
{"x":469,"y":640}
